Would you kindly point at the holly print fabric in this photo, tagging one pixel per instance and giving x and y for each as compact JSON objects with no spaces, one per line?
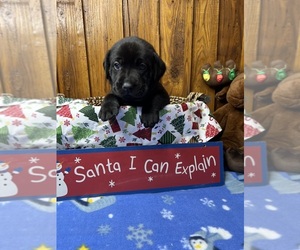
{"x":78,"y":125}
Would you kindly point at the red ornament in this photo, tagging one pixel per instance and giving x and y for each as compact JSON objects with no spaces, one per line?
{"x":219,"y":78}
{"x":261,"y":77}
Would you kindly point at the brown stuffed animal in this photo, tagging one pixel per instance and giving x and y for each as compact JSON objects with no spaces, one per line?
{"x":264,"y":80}
{"x":281,"y":121}
{"x":219,"y":78}
{"x":231,"y":119}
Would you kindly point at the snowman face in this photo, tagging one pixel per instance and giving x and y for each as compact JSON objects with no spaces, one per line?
{"x":58,"y":166}
{"x":3,"y":166}
{"x":199,"y":244}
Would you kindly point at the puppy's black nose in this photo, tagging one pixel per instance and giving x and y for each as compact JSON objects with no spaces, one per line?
{"x":127,"y":86}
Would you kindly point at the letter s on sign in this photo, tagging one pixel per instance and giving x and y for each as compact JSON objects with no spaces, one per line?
{"x":42,"y":177}
{"x":79,"y":174}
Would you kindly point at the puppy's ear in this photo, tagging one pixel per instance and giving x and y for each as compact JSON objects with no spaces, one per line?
{"x":106,"y":65}
{"x":159,"y":67}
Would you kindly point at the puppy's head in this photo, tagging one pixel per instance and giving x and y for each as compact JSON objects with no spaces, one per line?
{"x":133,"y":68}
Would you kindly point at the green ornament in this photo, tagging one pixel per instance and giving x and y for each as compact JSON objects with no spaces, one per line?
{"x":281,"y":74}
{"x":231,"y":74}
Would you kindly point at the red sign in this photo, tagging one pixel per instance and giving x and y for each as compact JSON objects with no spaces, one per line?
{"x":88,"y":172}
{"x":27,"y":173}
{"x":255,"y":160}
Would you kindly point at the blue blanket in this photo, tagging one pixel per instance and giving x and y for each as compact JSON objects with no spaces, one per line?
{"x":178,"y":219}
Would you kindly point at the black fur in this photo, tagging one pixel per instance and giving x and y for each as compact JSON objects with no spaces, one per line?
{"x":134,"y":69}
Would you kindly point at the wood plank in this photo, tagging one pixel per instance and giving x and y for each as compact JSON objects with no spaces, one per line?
{"x":231,"y":25}
{"x":138,"y":15}
{"x":252,"y":10}
{"x":251,"y":29}
{"x":72,"y":68}
{"x":23,"y":53}
{"x":1,"y":86}
{"x":104,"y":26}
{"x":49,"y":14}
{"x":205,"y":44}
{"x":176,"y":30}
{"x":279,"y":31}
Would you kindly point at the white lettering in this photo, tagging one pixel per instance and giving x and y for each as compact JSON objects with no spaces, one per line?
{"x":79,"y":174}
{"x":132,"y":167}
{"x":98,"y":170}
{"x":42,"y":178}
{"x":249,"y":158}
{"x":161,"y":167}
{"x":197,"y":166}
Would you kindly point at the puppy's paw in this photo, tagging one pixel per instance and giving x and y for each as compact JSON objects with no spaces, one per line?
{"x":150,"y":119}
{"x":108,"y":112}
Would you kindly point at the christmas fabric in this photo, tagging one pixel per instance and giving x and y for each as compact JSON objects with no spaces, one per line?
{"x":251,"y":127}
{"x":78,"y":125}
{"x":27,"y":123}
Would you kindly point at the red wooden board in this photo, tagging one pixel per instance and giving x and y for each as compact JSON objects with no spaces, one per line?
{"x":89,"y":172}
{"x":255,"y":160}
{"x":27,"y":173}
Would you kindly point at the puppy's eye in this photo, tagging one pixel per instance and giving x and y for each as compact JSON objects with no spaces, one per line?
{"x":117,"y":66}
{"x":142,"y":66}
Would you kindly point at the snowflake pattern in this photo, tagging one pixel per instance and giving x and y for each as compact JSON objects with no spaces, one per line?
{"x":77,"y":160}
{"x":167,"y":214}
{"x":185,"y":243}
{"x":34,"y":160}
{"x":111,"y":183}
{"x":168,"y":199}
{"x":251,"y":175}
{"x":140,"y":236}
{"x":104,"y":229}
{"x":207,"y":202}
{"x":177,"y":155}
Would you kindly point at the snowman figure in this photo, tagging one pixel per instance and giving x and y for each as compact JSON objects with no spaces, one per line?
{"x":61,"y":186}
{"x":7,"y":186}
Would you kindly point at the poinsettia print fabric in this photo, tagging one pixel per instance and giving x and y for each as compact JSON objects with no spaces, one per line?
{"x":27,"y":123}
{"x":78,"y":125}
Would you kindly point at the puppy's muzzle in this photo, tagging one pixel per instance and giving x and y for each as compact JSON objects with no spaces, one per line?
{"x":127,"y":87}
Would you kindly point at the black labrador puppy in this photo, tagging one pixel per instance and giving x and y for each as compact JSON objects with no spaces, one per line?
{"x":134,"y":69}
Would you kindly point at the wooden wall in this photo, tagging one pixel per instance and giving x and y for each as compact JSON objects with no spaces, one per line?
{"x":186,"y":34}
{"x":27,"y":48}
{"x":272,"y":29}
{"x":48,"y":44}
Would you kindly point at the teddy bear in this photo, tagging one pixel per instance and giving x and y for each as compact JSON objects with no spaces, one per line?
{"x":281,"y":121}
{"x":231,"y":119}
{"x":219,"y":78}
{"x":263,"y":80}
